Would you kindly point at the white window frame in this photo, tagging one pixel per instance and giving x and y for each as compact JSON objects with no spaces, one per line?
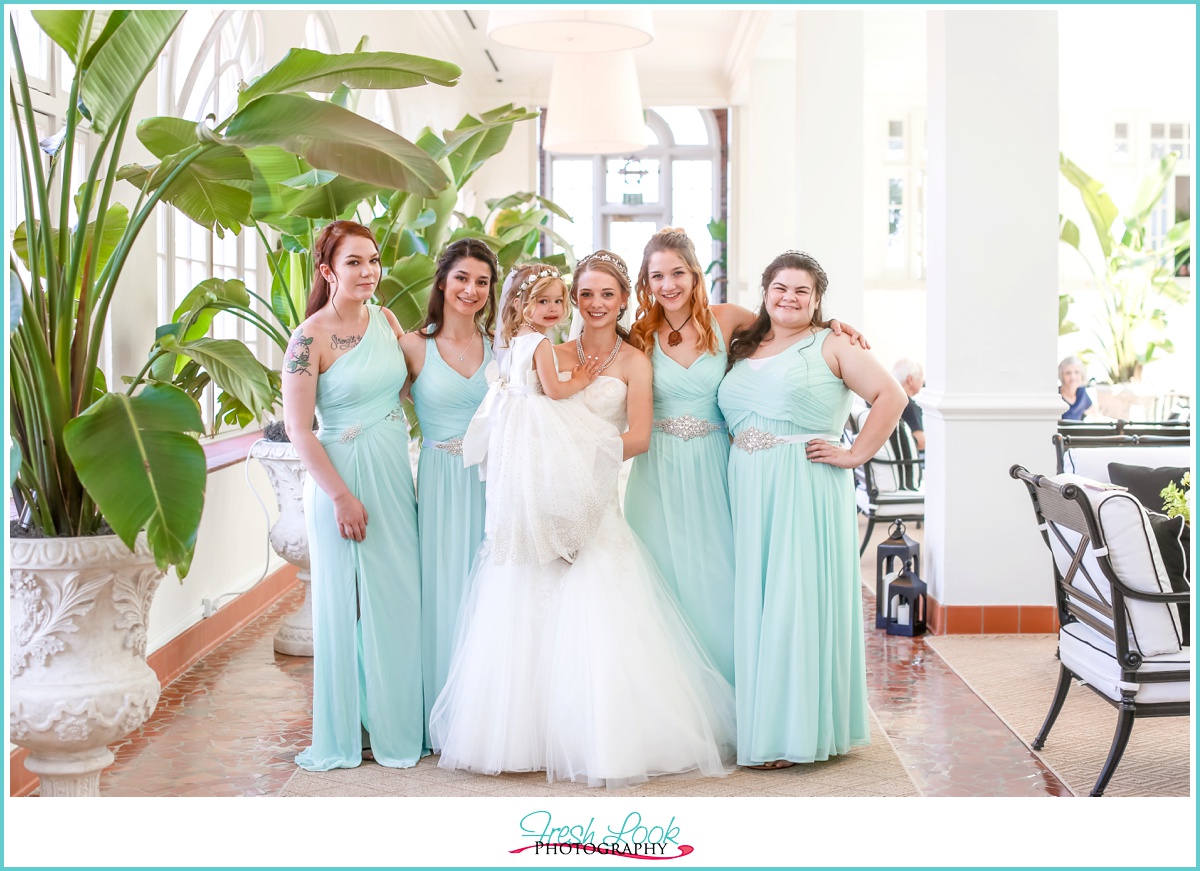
{"x":665,"y":151}
{"x":173,"y":100}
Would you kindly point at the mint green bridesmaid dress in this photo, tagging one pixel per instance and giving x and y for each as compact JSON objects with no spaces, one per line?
{"x":366,"y":596}
{"x":798,"y":635}
{"x":450,"y":505}
{"x":677,"y":499}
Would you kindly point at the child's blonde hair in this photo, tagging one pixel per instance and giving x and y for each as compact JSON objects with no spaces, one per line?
{"x":530,"y":281}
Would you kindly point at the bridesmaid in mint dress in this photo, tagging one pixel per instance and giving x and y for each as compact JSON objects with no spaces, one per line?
{"x":447,"y":360}
{"x":677,"y":499}
{"x":344,"y":363}
{"x":798,"y":634}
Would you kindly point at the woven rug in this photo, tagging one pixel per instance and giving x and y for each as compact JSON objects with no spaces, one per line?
{"x":1015,"y":675}
{"x":864,"y":771}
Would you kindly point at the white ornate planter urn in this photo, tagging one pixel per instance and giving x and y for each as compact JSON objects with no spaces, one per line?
{"x":289,"y":538}
{"x":77,"y":638}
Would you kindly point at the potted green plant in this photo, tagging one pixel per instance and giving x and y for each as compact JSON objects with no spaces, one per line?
{"x":110,"y":483}
{"x":1134,"y":279}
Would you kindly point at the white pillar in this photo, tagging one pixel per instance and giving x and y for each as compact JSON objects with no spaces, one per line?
{"x":829,"y":152}
{"x":992,"y":301}
{"x":764,"y":193}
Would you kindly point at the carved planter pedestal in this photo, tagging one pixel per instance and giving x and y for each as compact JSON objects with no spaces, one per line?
{"x":77,"y":634}
{"x":289,"y":538}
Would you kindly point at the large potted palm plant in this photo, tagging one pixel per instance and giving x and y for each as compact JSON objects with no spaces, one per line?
{"x":109,"y":484}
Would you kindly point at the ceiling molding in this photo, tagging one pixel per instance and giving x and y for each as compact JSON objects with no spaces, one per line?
{"x":750,"y":28}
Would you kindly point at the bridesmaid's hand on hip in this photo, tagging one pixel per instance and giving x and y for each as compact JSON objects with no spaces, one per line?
{"x":821,"y":451}
{"x":351,"y":517}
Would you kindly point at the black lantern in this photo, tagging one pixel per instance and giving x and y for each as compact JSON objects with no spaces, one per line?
{"x":906,"y":604}
{"x":896,"y":547}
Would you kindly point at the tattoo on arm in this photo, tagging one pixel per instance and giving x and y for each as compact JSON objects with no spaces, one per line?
{"x":296,"y":360}
{"x":340,"y":344}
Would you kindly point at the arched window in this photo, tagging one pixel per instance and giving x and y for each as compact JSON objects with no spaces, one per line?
{"x":619,"y":201}
{"x":209,"y":55}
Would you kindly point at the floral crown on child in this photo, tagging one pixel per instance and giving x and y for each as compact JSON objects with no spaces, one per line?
{"x":534,"y":277}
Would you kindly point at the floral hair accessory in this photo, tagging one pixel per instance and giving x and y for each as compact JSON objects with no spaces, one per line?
{"x":534,"y":277}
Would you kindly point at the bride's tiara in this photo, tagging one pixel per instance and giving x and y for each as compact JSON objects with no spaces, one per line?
{"x":607,"y":258}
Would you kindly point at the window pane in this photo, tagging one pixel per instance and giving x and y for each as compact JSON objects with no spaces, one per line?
{"x":571,"y":188}
{"x":35,"y":47}
{"x":895,"y":191}
{"x":692,"y":203}
{"x":687,"y":125}
{"x":628,"y":238}
{"x":1157,"y":131}
{"x":651,"y":136}
{"x":1121,"y":131}
{"x":1176,"y":131}
{"x":895,"y":128}
{"x":632,"y":182}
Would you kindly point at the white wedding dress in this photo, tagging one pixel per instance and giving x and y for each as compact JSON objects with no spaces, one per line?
{"x":586,"y":670}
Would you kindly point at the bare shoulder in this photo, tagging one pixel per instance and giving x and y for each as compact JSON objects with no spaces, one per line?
{"x":392,"y":320}
{"x":412,"y":343}
{"x":633,"y":361}
{"x":731,"y":317}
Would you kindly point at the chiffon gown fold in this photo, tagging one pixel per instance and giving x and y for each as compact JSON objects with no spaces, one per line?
{"x":586,"y":670}
{"x":677,"y":499}
{"x":450,"y":506}
{"x":798,"y":634}
{"x":365,"y":595}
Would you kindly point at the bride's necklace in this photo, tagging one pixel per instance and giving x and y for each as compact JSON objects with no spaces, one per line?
{"x":461,"y":354}
{"x":674,"y":337}
{"x":607,"y":363}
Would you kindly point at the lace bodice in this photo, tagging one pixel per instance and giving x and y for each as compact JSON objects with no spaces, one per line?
{"x":605,"y":397}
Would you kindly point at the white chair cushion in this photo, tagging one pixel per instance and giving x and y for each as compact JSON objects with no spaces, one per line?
{"x":1093,"y":462}
{"x":1093,"y":657}
{"x":891,"y":478}
{"x":1133,"y":551}
{"x":909,"y":504}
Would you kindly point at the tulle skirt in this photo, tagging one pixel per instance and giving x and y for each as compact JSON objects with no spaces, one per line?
{"x":587,"y":671}
{"x":550,"y":470}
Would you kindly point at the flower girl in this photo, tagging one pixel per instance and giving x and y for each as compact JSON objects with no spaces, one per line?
{"x":547,"y":462}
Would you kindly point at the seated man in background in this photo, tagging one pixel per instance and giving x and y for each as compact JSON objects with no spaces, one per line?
{"x":911,"y":376}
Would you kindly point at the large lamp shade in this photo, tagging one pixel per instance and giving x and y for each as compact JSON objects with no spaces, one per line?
{"x":595,"y":106}
{"x":572,"y":30}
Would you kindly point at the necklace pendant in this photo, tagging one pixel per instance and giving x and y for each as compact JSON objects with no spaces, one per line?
{"x":673,"y":338}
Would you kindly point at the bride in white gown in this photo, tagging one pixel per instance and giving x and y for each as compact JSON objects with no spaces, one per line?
{"x":585,"y":670}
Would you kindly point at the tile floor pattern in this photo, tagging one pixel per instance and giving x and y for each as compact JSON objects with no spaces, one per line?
{"x":232,"y":724}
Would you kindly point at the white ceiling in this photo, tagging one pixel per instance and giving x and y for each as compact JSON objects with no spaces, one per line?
{"x":692,"y":59}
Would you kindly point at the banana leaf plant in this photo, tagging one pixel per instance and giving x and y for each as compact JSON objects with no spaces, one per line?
{"x":89,"y":455}
{"x":1135,"y":276}
{"x":295,"y":200}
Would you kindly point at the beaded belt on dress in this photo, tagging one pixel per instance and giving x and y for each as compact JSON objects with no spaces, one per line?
{"x":751,"y":440}
{"x":454,"y":446}
{"x":353,"y":431}
{"x":687,"y":427}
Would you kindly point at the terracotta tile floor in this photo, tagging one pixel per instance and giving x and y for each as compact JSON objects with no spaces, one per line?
{"x":232,"y":724}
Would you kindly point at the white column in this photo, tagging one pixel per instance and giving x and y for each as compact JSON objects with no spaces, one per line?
{"x":829,"y":152}
{"x":764,"y":193}
{"x":992,"y":301}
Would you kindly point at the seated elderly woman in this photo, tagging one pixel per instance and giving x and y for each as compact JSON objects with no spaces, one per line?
{"x":1071,"y":379}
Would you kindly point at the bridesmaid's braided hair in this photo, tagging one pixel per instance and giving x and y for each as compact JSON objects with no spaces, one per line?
{"x":746,"y":340}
